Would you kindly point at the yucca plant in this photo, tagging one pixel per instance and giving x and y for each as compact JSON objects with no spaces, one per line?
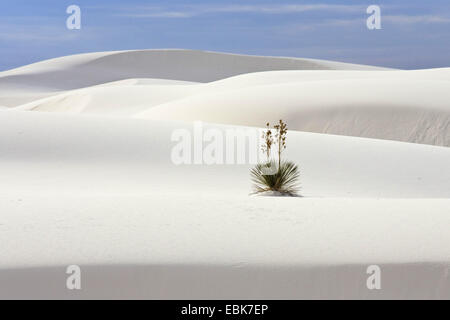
{"x":284,"y":179}
{"x":280,"y":176}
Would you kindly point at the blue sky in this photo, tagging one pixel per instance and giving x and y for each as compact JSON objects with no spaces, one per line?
{"x":414,"y":34}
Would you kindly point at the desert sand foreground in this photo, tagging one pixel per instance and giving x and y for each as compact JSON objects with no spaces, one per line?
{"x":88,"y":179}
{"x":169,"y":247}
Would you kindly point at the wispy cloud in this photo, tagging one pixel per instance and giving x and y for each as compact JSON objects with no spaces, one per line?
{"x":35,"y":33}
{"x":192,"y":11}
{"x":393,"y":19}
{"x":411,"y":19}
{"x":354,"y":22}
{"x":180,"y":12}
{"x":29,"y":36}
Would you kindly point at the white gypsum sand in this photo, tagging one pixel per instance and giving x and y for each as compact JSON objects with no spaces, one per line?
{"x":410,"y":106}
{"x":234,"y":247}
{"x":103,"y":155}
{"x":49,"y":77}
{"x":91,"y":181}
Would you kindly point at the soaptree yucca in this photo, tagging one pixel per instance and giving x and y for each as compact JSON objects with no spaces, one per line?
{"x":283,"y":180}
{"x":275,"y":175}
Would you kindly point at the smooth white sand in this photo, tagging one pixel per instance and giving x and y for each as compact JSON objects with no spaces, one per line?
{"x":212,"y":247}
{"x":403,"y":109}
{"x":410,"y":106}
{"x":92,"y":182}
{"x":102,"y":155}
{"x":102,"y":193}
{"x":48,"y":77}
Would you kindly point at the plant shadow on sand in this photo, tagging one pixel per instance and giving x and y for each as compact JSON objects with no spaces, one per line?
{"x":275,"y":194}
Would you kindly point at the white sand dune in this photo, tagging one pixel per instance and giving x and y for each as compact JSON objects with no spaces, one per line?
{"x":406,"y":107}
{"x":145,"y":81}
{"x":293,"y":76}
{"x":78,"y":71}
{"x":410,"y":106}
{"x":109,"y":199}
{"x":213,"y":247}
{"x":88,"y":179}
{"x":92,"y":154}
{"x":410,"y":110}
{"x":110,"y":99}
